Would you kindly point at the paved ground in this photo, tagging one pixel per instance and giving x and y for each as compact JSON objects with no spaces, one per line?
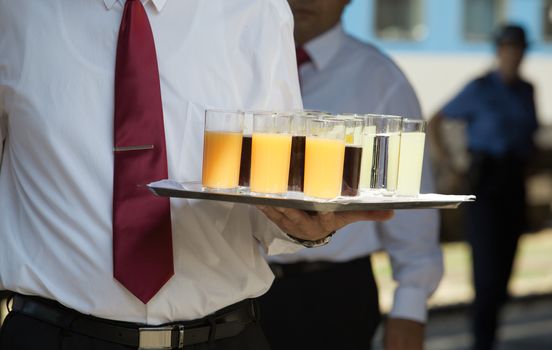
{"x":532,"y":272}
{"x":527,"y":325}
{"x":527,"y":320}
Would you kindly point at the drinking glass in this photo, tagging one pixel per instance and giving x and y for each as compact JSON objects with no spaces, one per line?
{"x":270,"y":153}
{"x":324,"y":158}
{"x":245,"y":163}
{"x":381,"y":145}
{"x":222,"y":149}
{"x":299,"y":134}
{"x":353,"y":154}
{"x":411,"y":157}
{"x":368,"y":134}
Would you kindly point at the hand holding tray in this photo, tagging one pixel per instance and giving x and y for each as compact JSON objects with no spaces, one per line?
{"x":366,"y":201}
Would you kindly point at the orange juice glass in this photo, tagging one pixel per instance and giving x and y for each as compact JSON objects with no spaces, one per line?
{"x":270,"y":153}
{"x":324,"y":158}
{"x":222,"y":149}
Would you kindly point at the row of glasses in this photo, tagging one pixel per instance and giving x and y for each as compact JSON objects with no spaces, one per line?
{"x":381,"y":145}
{"x":297,"y":130}
{"x":393,"y":149}
{"x":313,"y":152}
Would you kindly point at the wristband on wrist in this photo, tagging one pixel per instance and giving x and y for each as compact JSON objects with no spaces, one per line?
{"x":313,"y":244}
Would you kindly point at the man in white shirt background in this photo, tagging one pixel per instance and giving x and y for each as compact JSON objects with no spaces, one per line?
{"x":326,"y":298}
{"x":62,"y":66}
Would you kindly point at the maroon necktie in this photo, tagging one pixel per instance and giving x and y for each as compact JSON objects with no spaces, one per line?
{"x":142,"y":238}
{"x":302,"y":56}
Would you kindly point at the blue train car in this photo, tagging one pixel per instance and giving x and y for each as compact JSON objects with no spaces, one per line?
{"x":441,"y":44}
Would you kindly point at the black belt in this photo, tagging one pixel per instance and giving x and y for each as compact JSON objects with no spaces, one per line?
{"x":225,"y":323}
{"x":303,"y":267}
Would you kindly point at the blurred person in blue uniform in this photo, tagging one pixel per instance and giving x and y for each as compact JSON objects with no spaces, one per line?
{"x":499,"y":111}
{"x":327,"y":298}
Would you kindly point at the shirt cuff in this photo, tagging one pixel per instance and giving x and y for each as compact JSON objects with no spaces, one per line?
{"x":281,"y":243}
{"x":410,"y":303}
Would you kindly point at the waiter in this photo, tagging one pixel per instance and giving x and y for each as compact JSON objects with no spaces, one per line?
{"x":499,"y":111}
{"x":99,"y":98}
{"x":326,"y":298}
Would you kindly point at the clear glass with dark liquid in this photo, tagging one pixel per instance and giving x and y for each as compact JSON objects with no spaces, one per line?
{"x":351,"y":170}
{"x":245,"y":163}
{"x":297,"y":164}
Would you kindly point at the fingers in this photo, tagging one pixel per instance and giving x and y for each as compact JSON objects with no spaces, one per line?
{"x":298,"y":217}
{"x":297,"y":223}
{"x":302,"y":225}
{"x":273,"y":214}
{"x":279,"y":218}
{"x":329,"y":221}
{"x":312,"y":227}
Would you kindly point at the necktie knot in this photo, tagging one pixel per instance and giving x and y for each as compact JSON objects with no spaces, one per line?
{"x":302,"y":56}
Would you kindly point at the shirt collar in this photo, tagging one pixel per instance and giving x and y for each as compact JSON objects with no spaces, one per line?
{"x":325,"y":46}
{"x":497,"y":79}
{"x":159,"y":4}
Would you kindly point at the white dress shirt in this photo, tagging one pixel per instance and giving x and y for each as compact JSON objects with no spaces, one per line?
{"x":345,"y":75}
{"x":57,"y":66}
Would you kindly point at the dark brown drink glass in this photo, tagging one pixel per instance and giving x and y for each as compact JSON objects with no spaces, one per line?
{"x":245,"y":163}
{"x":351,"y":170}
{"x":353,"y":154}
{"x":298,"y":142}
{"x":297,"y":164}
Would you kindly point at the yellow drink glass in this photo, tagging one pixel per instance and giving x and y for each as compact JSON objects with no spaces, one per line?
{"x":222,"y":149}
{"x":270,"y":153}
{"x":324,"y":158}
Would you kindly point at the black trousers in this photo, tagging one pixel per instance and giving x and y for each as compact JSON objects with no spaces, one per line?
{"x":495,"y":222}
{"x":335,"y":307}
{"x":21,"y":332}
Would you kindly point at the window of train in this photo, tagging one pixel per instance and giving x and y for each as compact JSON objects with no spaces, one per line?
{"x":399,"y":19}
{"x":481,"y":18}
{"x":547,"y":20}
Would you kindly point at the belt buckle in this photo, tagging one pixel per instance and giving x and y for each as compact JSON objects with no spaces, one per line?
{"x":158,"y":338}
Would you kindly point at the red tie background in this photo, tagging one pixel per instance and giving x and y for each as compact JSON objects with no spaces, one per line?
{"x":142,"y":238}
{"x":302,"y":57}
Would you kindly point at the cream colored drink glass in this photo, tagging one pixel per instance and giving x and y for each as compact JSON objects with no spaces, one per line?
{"x":381,"y":145}
{"x":411,"y":157}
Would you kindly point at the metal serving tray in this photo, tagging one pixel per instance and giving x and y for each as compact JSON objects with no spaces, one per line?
{"x":366,"y":201}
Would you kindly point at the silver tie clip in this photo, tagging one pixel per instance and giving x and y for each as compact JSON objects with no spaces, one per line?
{"x":132,"y":148}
